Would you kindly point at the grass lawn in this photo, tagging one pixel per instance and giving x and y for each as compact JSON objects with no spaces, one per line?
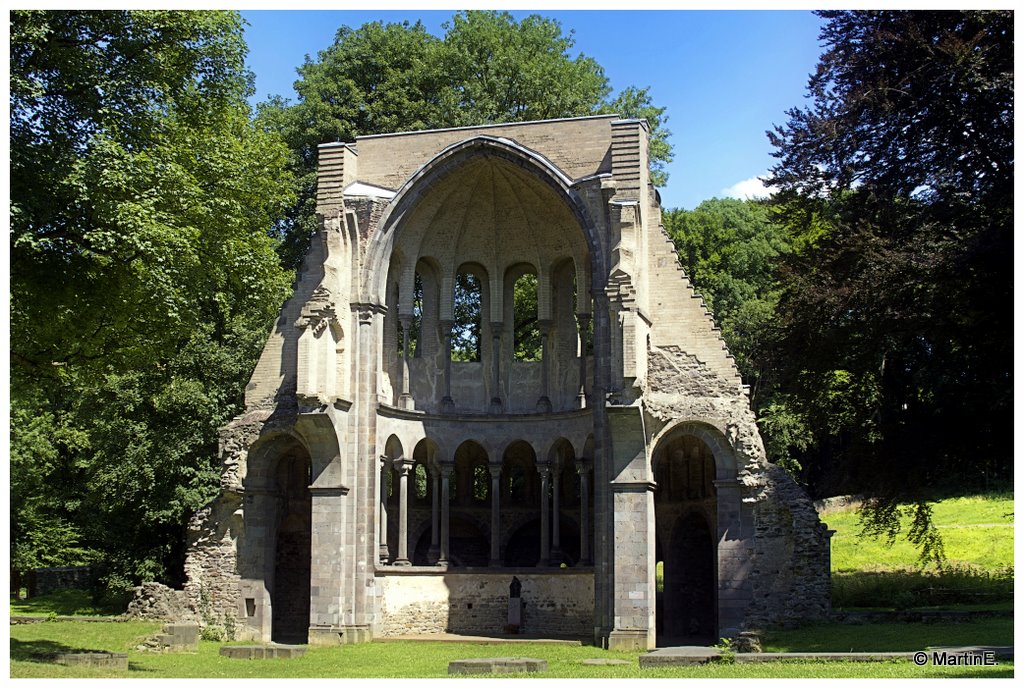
{"x":977,"y":531}
{"x":399,"y":659}
{"x":866,"y":572}
{"x":72,"y":602}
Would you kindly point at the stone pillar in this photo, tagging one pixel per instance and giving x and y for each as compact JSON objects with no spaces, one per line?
{"x":545,"y":528}
{"x":633,"y":586}
{"x":556,"y":523}
{"x":583,"y":470}
{"x":383,"y":548}
{"x":584,"y":323}
{"x":405,"y":399}
{"x":544,"y":403}
{"x":497,"y":407}
{"x":446,"y":476}
{"x":495,"y":470}
{"x":447,"y":403}
{"x":404,"y":466}
{"x":326,"y":575}
{"x":734,"y":555}
{"x":435,"y":517}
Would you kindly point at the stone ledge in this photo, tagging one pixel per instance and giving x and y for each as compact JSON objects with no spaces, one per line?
{"x":680,"y":655}
{"x":503,"y":666}
{"x":262,"y":652}
{"x":105,"y":659}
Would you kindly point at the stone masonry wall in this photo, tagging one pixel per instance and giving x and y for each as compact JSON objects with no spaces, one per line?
{"x":389,"y":160}
{"x":558,"y":603}
{"x":212,"y":585}
{"x":790,"y":565}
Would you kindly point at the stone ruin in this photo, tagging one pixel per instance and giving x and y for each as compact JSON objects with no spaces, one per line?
{"x":493,"y":365}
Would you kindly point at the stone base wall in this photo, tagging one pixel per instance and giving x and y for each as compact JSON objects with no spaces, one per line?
{"x":560,"y":603}
{"x":791,"y":561}
{"x":50,"y":579}
{"x":213,"y":585}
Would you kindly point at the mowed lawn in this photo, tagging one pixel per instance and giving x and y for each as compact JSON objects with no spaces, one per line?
{"x":978,"y":534}
{"x":976,"y":530}
{"x":401,"y":659}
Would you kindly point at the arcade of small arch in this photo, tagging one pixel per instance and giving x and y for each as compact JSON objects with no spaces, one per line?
{"x":486,"y":504}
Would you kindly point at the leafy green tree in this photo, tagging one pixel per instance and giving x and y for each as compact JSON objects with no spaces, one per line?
{"x":901,"y":311}
{"x":143,"y":278}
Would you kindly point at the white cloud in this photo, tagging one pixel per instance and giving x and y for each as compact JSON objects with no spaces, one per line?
{"x":753,"y":188}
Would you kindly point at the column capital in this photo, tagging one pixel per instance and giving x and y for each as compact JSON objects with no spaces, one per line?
{"x":403,"y":465}
{"x":544,"y":470}
{"x":495,"y":470}
{"x":583,"y":467}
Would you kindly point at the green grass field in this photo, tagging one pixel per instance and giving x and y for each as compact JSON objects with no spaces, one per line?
{"x":400,"y":659}
{"x":867,"y":572}
{"x":977,"y":532}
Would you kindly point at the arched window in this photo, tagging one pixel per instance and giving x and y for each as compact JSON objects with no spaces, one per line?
{"x":526,"y":334}
{"x":417,"y":320}
{"x":468,"y":314}
{"x":420,"y":481}
{"x":517,"y":484}
{"x":481,"y":477}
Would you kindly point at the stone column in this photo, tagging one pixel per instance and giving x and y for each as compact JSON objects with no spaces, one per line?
{"x":495,"y":470}
{"x":383,"y":549}
{"x":446,"y":475}
{"x":544,"y":403}
{"x":435,"y":517}
{"x":584,"y":323}
{"x":556,"y":524}
{"x":404,"y":466}
{"x":583,"y":470}
{"x":447,"y":403}
{"x":405,"y":399}
{"x":734,"y":550}
{"x":497,"y":407}
{"x":545,"y":528}
{"x":327,"y":581}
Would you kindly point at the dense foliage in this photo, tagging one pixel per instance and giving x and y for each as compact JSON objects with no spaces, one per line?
{"x":143,"y":279}
{"x":897,"y":315}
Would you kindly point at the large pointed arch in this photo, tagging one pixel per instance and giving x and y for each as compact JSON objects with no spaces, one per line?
{"x":383,"y":241}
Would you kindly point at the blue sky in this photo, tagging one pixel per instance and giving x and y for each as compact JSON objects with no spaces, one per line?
{"x":725,"y":77}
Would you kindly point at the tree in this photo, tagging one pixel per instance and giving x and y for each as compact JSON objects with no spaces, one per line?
{"x":487,"y":68}
{"x":901,"y":309}
{"x":143,"y":278}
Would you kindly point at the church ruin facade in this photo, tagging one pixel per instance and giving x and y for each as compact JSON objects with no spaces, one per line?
{"x":493,"y":366}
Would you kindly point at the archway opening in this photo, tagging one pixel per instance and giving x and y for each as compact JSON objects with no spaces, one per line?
{"x":685,"y":513}
{"x":290,"y":595}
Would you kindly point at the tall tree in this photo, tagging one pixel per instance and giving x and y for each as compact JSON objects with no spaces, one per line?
{"x":143,"y":277}
{"x":902,"y":310}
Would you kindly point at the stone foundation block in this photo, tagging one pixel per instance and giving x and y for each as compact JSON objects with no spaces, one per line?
{"x":492,"y":666}
{"x":262,"y":652}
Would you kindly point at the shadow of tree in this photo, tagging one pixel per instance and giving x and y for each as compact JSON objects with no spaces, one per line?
{"x":37,"y":651}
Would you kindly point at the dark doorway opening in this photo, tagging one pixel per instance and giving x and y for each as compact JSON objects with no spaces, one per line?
{"x":290,"y":596}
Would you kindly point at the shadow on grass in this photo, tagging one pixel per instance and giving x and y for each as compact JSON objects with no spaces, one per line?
{"x":69,"y":602}
{"x":40,"y":650}
{"x":903,"y":589}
